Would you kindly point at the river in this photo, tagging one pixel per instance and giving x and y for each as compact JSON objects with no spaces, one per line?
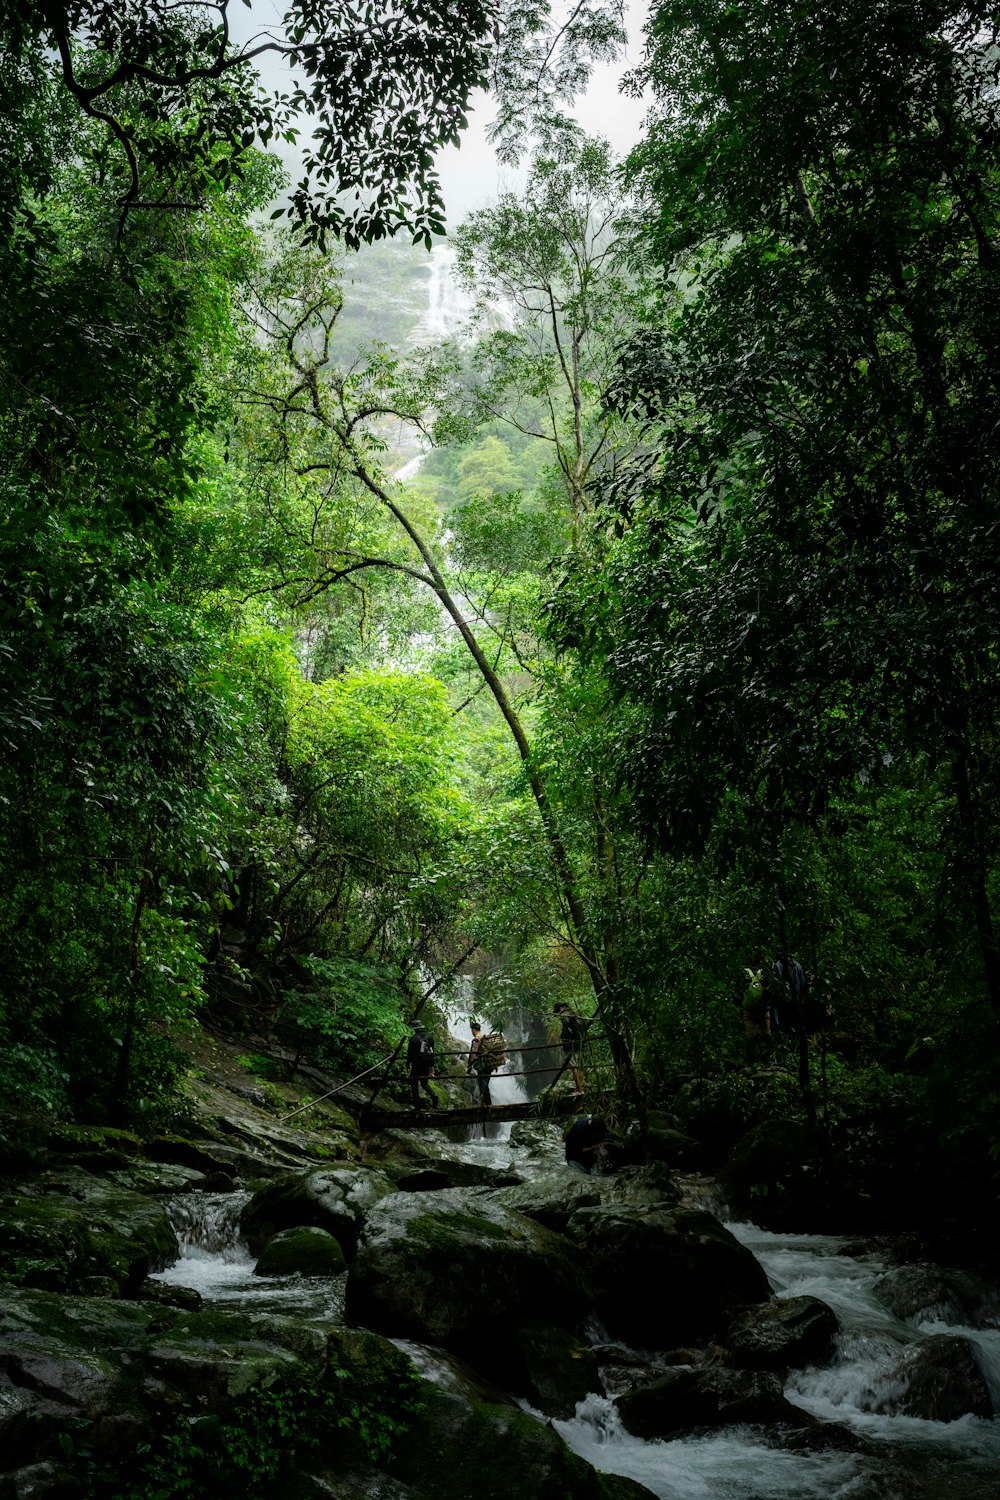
{"x":896,"y":1458}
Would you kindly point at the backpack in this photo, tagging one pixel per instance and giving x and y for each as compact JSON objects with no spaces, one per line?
{"x":426,"y":1045}
{"x":493,"y":1052}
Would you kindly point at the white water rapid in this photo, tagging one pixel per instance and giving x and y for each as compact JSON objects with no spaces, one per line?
{"x":876,"y":1457}
{"x":217,"y":1263}
{"x":909,"y":1457}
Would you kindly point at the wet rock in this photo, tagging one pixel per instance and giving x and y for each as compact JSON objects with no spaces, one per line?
{"x":680,"y":1400}
{"x":925,"y":1294}
{"x":166,"y":1295}
{"x":492,"y":1453}
{"x":553,"y":1198}
{"x":675,"y":1147}
{"x":666,"y":1277}
{"x":409,"y":1157}
{"x":303,"y":1251}
{"x":550,"y":1367}
{"x":451,"y":1373}
{"x":443,"y":1270}
{"x":780,"y":1335}
{"x":178,"y":1151}
{"x":621,"y":1369}
{"x":938,"y":1379}
{"x":331,"y":1198}
{"x":75,"y":1226}
{"x":538,"y":1139}
{"x":120,"y":1373}
{"x":649,"y":1186}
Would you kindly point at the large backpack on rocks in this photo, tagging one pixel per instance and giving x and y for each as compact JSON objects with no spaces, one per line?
{"x":492,"y":1052}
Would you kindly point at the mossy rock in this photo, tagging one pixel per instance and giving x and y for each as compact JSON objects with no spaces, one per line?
{"x":46,"y":1245}
{"x":443,"y":1269}
{"x":67,"y":1140}
{"x":492,"y":1453}
{"x":771,"y":1175}
{"x":178,"y":1151}
{"x":666,"y":1277}
{"x":332,"y":1198}
{"x":552,"y":1368}
{"x":304,"y":1251}
{"x":681,"y":1400}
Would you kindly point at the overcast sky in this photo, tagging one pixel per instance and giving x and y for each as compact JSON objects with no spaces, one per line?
{"x":471,"y":175}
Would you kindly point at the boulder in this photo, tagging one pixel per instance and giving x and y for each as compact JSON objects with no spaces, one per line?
{"x":926,"y":1294}
{"x":675,"y":1147}
{"x":550,"y":1367}
{"x":666,"y":1277}
{"x":648,"y":1186}
{"x":446,"y":1271}
{"x":684,"y":1399}
{"x":782,"y":1334}
{"x":414,"y":1158}
{"x":621,"y":1369}
{"x":938,"y":1379}
{"x":331,"y":1198}
{"x":134,"y":1413}
{"x":303,"y":1251}
{"x":554,"y":1196}
{"x":540,"y":1140}
{"x":178,"y":1151}
{"x":494,"y":1452}
{"x":74,"y":1226}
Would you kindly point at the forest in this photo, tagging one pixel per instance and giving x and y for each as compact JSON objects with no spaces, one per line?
{"x":642,"y":630}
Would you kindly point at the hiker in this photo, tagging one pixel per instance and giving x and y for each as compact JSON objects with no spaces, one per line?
{"x":788,"y":989}
{"x":420,"y":1058}
{"x":586,"y":1145}
{"x":479,"y":1064}
{"x":755,"y":1009}
{"x":572,"y":1029}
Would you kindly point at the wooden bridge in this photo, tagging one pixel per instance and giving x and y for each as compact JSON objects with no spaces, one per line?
{"x":382,"y":1117}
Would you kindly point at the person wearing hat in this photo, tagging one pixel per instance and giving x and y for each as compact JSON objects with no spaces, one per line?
{"x":571,"y":1032}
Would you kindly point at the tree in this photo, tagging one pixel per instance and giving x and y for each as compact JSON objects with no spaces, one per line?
{"x":822,"y":187}
{"x":548,"y":261}
{"x":174,"y":90}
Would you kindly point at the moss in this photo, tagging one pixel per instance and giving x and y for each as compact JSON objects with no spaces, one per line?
{"x":70,"y":1140}
{"x":45,"y":1246}
{"x":493,"y":1452}
{"x":440,"y":1230}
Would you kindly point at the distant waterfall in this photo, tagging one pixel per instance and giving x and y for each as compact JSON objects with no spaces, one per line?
{"x":448,"y":306}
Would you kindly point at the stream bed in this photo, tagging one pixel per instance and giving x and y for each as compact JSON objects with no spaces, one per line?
{"x":878,"y":1457}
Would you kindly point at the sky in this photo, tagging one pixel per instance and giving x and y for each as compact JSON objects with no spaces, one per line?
{"x":470,"y":174}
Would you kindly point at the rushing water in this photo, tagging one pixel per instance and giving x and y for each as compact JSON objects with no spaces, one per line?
{"x":903,"y":1457}
{"x":217,"y":1263}
{"x":898,"y":1458}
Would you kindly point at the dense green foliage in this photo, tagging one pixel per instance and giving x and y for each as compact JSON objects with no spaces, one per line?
{"x":679,"y":650}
